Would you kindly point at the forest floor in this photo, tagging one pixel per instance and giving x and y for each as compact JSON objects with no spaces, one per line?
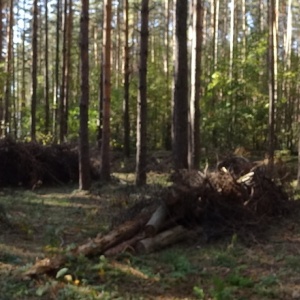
{"x":47,"y":220}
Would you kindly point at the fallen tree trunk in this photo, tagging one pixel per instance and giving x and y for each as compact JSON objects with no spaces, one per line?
{"x":95,"y":246}
{"x":156,"y":221}
{"x":162,"y":240}
{"x":118,"y":235}
{"x":125,"y":246}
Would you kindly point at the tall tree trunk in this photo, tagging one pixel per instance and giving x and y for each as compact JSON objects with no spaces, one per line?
{"x":261,"y":15}
{"x":62,"y":98}
{"x":286,"y":85}
{"x":167,"y":40}
{"x":8,"y":69}
{"x":1,"y":68}
{"x":68,"y":66}
{"x":167,"y":59}
{"x":141,"y":142}
{"x":57,"y":64}
{"x":215,"y":25}
{"x":126,"y":118}
{"x":14,"y":120}
{"x":84,"y":161}
{"x":180,"y":110}
{"x":231,"y":41}
{"x":272,"y":71}
{"x":100,"y":92}
{"x":46,"y":75}
{"x":243,"y":52}
{"x":34,"y":70}
{"x":194,"y":136}
{"x":105,"y":145}
{"x":298,"y":175}
{"x":216,"y":33}
{"x":118,"y":50}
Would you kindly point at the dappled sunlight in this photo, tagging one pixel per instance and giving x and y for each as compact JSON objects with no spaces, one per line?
{"x":46,"y":224}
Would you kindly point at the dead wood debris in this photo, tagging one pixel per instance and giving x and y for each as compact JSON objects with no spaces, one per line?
{"x":31,"y":164}
{"x":234,"y":197}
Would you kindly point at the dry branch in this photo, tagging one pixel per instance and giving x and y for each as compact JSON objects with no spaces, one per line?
{"x":46,"y":266}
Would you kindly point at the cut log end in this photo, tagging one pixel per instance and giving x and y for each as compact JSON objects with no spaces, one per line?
{"x":162,"y":240}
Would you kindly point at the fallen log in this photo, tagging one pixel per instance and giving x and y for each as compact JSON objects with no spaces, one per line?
{"x":162,"y":240}
{"x":116,"y":236}
{"x":125,"y":246}
{"x":94,"y":246}
{"x":156,"y":221}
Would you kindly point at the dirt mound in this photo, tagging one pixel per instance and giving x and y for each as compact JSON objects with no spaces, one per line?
{"x":31,"y":164}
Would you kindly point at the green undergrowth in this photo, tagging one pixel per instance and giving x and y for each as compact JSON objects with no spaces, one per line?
{"x":48,"y":221}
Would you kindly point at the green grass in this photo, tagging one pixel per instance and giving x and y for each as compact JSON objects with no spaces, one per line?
{"x":49,"y":221}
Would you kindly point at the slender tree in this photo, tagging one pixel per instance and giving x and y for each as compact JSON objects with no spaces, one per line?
{"x":57,"y":64}
{"x":298,"y":175}
{"x":100,"y":93}
{"x":105,"y":145}
{"x":46,"y":74}
{"x":168,"y":78}
{"x":23,"y":76}
{"x":84,"y":163}
{"x":34,"y":70}
{"x":66,"y":65}
{"x":141,"y":142}
{"x":126,"y":119}
{"x":68,"y":70}
{"x":62,"y":102}
{"x":180,"y":109}
{"x":1,"y":67}
{"x":194,"y":136}
{"x":216,"y":33}
{"x":9,"y":66}
{"x":272,"y":72}
{"x":231,"y":41}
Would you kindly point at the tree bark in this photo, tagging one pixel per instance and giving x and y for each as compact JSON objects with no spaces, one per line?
{"x":34,"y":70}
{"x":1,"y":69}
{"x":180,"y":110}
{"x":46,"y":73}
{"x":8,"y":70}
{"x":84,"y":163}
{"x":141,"y":143}
{"x":57,"y":64}
{"x":122,"y":233}
{"x":272,"y":72}
{"x":62,"y":102}
{"x":156,"y":221}
{"x":68,"y":66}
{"x":126,"y":118}
{"x":162,"y":240}
{"x":194,"y":135}
{"x":105,"y":145}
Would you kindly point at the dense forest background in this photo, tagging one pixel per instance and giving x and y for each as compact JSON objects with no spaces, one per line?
{"x":242,"y":65}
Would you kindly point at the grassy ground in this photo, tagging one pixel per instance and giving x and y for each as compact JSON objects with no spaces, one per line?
{"x":50,"y":219}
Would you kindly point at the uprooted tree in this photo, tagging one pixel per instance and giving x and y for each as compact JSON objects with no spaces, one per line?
{"x":236,"y":197}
